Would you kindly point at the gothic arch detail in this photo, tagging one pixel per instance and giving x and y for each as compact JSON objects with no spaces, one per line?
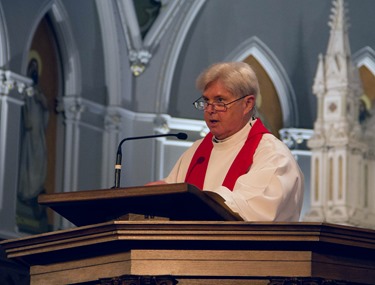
{"x":191,"y":9}
{"x":140,"y":50}
{"x":4,"y":49}
{"x":364,"y":60}
{"x":70,"y":102}
{"x":255,"y":47}
{"x":68,"y":49}
{"x":365,"y":57}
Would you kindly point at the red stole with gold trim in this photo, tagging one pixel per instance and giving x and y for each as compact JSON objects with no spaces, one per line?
{"x":241,"y":164}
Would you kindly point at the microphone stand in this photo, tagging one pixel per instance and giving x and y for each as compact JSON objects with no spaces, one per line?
{"x":181,"y":136}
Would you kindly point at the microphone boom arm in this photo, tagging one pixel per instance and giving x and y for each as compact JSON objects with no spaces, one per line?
{"x":181,"y":136}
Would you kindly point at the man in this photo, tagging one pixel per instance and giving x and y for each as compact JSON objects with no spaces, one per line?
{"x":239,"y":159}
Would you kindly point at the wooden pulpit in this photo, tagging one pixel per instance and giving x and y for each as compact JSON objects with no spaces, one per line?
{"x":196,"y":241}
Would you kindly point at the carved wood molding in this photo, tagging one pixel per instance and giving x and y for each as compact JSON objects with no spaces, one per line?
{"x":139,"y":280}
{"x":305,"y":281}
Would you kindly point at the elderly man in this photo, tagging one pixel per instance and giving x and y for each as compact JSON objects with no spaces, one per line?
{"x":239,"y":159}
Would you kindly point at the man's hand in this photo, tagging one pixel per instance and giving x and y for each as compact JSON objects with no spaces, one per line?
{"x":158,"y":182}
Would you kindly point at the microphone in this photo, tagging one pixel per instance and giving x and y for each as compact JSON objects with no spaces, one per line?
{"x":180,"y":136}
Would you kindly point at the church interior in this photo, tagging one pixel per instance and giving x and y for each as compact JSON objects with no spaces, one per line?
{"x":77,"y":77}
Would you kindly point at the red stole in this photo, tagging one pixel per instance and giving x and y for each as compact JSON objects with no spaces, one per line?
{"x":241,"y":164}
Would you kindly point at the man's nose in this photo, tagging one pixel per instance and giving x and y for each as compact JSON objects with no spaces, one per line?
{"x":210,"y":108}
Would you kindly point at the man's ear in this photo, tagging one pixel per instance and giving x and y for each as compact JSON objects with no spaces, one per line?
{"x":250,"y":102}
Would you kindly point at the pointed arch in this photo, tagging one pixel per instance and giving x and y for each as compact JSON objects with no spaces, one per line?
{"x":51,"y":24}
{"x":69,"y":91}
{"x":4,"y":48}
{"x":364,"y":59}
{"x":191,"y":9}
{"x":68,"y":50}
{"x":67,"y":46}
{"x":140,"y":51}
{"x":112,"y":53}
{"x":71,"y":99}
{"x":256,"y":48}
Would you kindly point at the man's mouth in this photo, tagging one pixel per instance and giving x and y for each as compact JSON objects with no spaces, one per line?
{"x":214,"y":122}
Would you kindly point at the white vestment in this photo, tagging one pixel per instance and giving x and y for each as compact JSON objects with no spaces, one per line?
{"x":272,"y":190}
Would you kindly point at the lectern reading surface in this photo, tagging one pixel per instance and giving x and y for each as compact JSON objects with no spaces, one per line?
{"x":179,"y":201}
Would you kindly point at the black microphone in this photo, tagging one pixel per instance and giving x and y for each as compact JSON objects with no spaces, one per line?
{"x":180,"y":136}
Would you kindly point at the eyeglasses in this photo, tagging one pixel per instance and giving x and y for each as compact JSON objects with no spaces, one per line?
{"x":200,"y":104}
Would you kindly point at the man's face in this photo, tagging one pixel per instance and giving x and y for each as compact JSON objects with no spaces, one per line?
{"x":226,"y":123}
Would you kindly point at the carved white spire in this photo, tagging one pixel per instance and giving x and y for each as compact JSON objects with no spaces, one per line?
{"x":319,"y":81}
{"x":340,"y":70}
{"x":337,"y":150}
{"x":337,"y":85}
{"x":339,"y":41}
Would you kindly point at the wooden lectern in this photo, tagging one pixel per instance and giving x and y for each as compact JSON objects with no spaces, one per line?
{"x":184,"y":247}
{"x":177,"y":202}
